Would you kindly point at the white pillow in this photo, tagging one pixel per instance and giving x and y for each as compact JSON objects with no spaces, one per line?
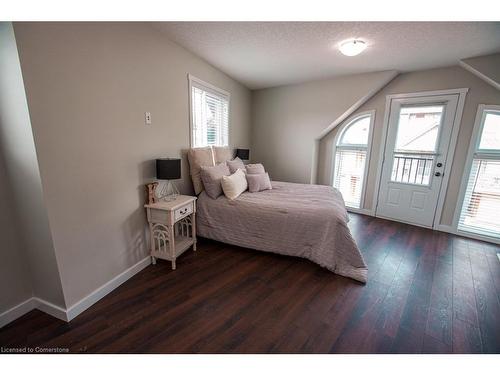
{"x":234,"y":185}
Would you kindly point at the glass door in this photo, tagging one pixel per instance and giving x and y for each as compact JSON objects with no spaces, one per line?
{"x":418,"y":137}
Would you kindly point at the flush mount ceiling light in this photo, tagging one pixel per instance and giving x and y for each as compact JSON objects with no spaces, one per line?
{"x":352,"y":47}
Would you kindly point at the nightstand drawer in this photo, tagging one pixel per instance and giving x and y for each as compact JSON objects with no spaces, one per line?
{"x":183,"y":211}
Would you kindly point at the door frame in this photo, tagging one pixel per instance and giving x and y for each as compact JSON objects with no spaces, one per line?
{"x":462,"y":93}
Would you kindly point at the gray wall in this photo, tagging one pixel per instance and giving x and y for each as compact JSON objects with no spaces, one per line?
{"x":22,"y":175}
{"x":488,"y":65}
{"x":288,"y":119}
{"x":15,"y":282}
{"x":435,"y":79}
{"x":88,"y":86}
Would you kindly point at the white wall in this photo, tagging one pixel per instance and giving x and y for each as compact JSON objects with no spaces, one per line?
{"x":88,"y":86}
{"x":22,"y":176}
{"x":287,"y":120}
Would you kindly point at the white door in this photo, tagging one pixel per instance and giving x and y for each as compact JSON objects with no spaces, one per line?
{"x":418,"y":137}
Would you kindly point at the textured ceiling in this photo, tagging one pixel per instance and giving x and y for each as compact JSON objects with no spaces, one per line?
{"x":266,"y":54}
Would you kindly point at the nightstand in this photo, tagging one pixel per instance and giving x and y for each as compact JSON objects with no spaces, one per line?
{"x":172,"y":227}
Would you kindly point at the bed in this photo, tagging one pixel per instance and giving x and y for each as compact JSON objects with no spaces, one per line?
{"x":307,"y":221}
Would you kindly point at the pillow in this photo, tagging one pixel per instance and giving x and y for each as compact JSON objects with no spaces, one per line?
{"x":258,"y":182}
{"x":211,"y":177}
{"x":255,"y":169}
{"x":199,"y":157}
{"x":236,"y":164}
{"x":234,"y":185}
{"x":222,"y":154}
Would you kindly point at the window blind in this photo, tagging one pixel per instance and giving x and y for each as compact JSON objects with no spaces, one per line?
{"x":482,"y":199}
{"x":481,"y":204}
{"x":349,"y":173}
{"x":209,"y":116}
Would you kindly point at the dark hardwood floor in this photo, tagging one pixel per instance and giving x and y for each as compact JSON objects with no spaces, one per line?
{"x":428,"y":292}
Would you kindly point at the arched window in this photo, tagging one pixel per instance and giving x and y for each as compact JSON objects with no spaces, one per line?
{"x":352,"y":149}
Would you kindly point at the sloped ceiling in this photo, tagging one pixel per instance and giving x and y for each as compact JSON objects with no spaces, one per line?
{"x":485,"y":67}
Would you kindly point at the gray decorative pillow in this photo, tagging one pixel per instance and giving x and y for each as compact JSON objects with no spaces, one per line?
{"x":236,"y":164}
{"x":258,"y":182}
{"x":255,"y":169}
{"x":212,"y":176}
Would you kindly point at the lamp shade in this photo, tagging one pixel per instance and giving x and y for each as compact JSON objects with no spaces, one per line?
{"x":168,"y":169}
{"x":243,"y":153}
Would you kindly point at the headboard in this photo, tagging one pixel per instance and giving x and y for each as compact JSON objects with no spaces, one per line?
{"x":202,"y":157}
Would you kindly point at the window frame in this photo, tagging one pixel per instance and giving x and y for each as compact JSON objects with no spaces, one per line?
{"x":474,"y":153}
{"x":196,"y":82}
{"x":336,"y":146}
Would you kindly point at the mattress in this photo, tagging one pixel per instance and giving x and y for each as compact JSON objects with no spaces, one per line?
{"x":307,"y":221}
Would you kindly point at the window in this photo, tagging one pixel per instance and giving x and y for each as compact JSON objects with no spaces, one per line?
{"x":481,"y":198}
{"x":351,"y":153}
{"x":209,"y":114}
{"x":416,"y":142}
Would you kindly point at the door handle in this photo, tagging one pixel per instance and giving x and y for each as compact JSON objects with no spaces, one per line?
{"x":437,"y":174}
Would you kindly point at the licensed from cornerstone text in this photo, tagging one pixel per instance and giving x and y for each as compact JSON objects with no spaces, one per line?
{"x":32,"y":350}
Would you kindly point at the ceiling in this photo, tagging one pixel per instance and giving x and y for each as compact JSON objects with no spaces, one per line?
{"x":266,"y":54}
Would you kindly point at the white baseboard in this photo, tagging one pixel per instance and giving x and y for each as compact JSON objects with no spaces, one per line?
{"x":111,"y":285}
{"x":362,"y":211}
{"x":445,"y":228}
{"x":79,"y":307}
{"x":17,"y":311}
{"x":51,"y":309}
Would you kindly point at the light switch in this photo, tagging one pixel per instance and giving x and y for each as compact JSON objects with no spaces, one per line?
{"x":147,"y":118}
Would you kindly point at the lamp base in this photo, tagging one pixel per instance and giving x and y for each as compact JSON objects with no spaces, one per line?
{"x":167,"y":191}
